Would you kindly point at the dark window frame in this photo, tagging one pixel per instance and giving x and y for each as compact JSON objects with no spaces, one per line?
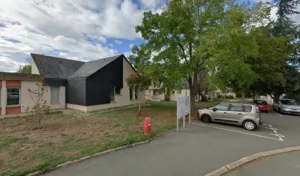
{"x":51,"y":101}
{"x":112,"y":94}
{"x":130,"y":94}
{"x":222,"y":104}
{"x":19,"y":97}
{"x":230,"y":106}
{"x":117,"y":91}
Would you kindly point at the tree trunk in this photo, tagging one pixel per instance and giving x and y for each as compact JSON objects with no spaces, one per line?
{"x":253,"y":95}
{"x":192,"y":98}
{"x":39,"y":121}
{"x":275,"y":96}
{"x":139,"y":97}
{"x":243,"y":95}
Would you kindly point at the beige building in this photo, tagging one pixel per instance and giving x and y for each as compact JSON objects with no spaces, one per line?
{"x":84,"y":86}
{"x":91,"y":86}
{"x":155,"y":93}
{"x":16,"y":98}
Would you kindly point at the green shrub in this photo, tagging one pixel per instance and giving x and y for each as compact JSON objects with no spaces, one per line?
{"x":204,"y":98}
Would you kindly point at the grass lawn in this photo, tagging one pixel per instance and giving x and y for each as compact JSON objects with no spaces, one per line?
{"x":73,"y":135}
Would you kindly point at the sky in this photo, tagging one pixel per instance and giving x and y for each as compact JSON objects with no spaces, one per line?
{"x":75,"y":29}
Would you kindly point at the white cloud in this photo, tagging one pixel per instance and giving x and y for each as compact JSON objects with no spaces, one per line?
{"x":131,"y":45}
{"x":118,"y":42}
{"x":262,"y":0}
{"x":75,"y":29}
{"x":127,"y":54}
{"x":9,"y":65}
{"x":296,"y":17}
{"x":149,"y":3}
{"x":273,"y":13}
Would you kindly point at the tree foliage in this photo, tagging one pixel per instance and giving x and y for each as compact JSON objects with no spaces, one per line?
{"x":281,"y":46}
{"x":184,"y":37}
{"x":25,"y":69}
{"x":140,"y":83}
{"x":236,"y":45}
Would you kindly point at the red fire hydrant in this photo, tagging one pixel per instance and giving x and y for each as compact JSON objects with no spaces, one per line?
{"x":147,"y":125}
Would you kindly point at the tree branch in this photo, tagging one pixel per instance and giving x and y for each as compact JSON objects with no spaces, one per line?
{"x":182,"y":49}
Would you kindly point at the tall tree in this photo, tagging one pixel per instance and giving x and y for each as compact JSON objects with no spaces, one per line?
{"x":284,"y":33}
{"x":271,"y":63}
{"x":236,"y":45}
{"x":181,"y":38}
{"x":286,"y":8}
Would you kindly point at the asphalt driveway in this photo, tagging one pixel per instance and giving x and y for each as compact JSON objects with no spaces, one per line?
{"x":196,"y":150}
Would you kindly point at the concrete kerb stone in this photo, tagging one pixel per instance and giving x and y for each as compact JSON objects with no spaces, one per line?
{"x":94,"y":155}
{"x":239,"y":163}
{"x":219,"y":171}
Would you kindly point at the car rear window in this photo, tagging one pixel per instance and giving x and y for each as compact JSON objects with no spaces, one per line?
{"x":247,"y":108}
{"x":289,"y":102}
{"x":260,"y":102}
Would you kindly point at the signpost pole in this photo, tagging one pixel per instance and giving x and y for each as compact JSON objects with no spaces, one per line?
{"x":183,"y":121}
{"x":177,"y":124}
{"x":190,"y":110}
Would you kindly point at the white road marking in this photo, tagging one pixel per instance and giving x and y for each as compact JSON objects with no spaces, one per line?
{"x":225,"y":129}
{"x":280,"y":136}
{"x":279,"y":114}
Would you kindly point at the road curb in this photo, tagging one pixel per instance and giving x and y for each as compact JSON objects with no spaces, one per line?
{"x":245,"y":160}
{"x":96,"y":155}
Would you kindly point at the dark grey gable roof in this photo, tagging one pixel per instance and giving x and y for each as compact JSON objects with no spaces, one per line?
{"x":54,"y":67}
{"x":92,"y":67}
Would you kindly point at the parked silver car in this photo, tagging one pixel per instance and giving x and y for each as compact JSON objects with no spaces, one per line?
{"x":246,"y":115}
{"x":288,"y":106}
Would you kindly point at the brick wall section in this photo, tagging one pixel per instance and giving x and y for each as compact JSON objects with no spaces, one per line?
{"x":13,"y":110}
{"x":13,"y":83}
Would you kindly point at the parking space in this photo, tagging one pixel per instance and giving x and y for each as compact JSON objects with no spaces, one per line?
{"x":278,"y":127}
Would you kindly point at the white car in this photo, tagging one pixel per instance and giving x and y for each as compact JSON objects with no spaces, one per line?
{"x":288,"y":106}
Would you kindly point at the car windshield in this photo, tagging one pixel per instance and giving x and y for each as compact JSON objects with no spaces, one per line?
{"x":289,"y":102}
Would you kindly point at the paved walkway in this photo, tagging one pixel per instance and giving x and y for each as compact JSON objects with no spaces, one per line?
{"x":285,"y":164}
{"x":193,"y":151}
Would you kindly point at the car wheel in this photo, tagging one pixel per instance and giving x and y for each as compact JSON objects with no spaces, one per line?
{"x":205,"y":118}
{"x":274,"y":109}
{"x":249,"y":125}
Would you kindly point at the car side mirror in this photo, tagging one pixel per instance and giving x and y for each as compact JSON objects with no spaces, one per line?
{"x":214,"y":109}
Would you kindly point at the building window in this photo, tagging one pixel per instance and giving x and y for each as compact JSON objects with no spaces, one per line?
{"x":173,"y":92}
{"x":118,"y":91}
{"x":112,"y":94}
{"x":54,"y":95}
{"x":130,"y":93}
{"x":136,"y":94}
{"x":13,"y":96}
